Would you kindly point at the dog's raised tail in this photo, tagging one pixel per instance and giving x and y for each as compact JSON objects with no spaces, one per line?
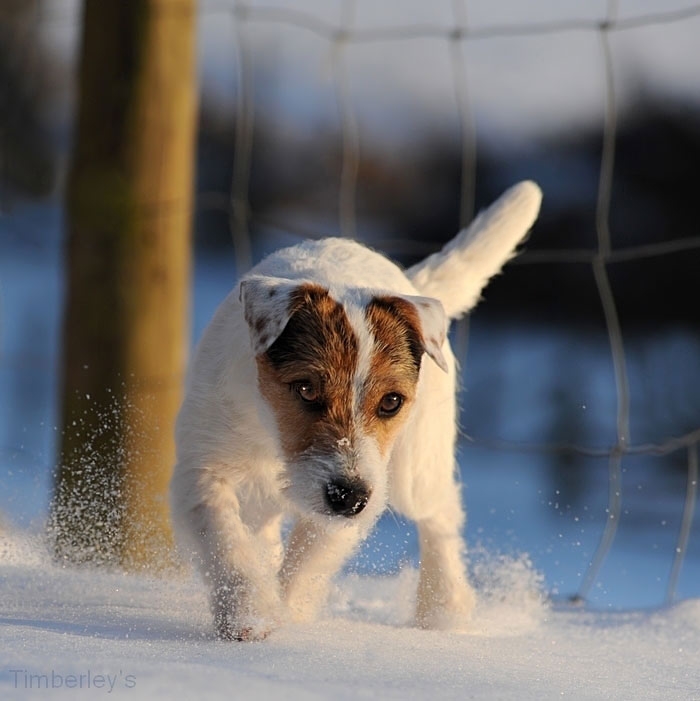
{"x":458,"y":273}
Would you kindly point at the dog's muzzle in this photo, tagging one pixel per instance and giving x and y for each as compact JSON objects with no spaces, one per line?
{"x":347,"y":497}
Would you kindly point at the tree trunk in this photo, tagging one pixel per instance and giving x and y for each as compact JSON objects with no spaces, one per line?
{"x":129,"y":201}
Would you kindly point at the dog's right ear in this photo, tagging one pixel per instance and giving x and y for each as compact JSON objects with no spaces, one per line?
{"x":267,"y":307}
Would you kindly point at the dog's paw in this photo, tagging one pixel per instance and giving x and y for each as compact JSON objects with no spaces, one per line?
{"x":230,"y":629}
{"x":451,"y":613}
{"x":242,"y":633}
{"x":245,"y":634}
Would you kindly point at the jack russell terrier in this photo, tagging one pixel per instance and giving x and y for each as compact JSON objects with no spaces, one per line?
{"x":309,"y":397}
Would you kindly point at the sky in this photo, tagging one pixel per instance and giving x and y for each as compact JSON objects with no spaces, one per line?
{"x":517,"y":84}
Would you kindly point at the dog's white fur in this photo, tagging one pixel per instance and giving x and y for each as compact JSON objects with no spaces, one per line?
{"x":233,"y":483}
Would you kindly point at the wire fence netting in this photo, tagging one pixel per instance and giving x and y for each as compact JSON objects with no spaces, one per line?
{"x":343,"y":32}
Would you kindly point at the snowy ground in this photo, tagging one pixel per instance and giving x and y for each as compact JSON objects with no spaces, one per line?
{"x":86,"y":634}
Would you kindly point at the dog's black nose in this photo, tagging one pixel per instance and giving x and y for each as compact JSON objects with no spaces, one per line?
{"x":347,"y":497}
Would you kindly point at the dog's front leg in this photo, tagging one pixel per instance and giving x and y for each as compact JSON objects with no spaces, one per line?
{"x":314,"y":554}
{"x":245,"y":596}
{"x":445,"y":598}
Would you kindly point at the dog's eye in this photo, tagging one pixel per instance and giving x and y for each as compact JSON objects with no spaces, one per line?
{"x":390,"y":405}
{"x":306,"y":391}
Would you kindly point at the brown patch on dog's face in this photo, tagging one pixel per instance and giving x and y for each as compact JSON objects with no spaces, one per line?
{"x":307,"y":374}
{"x":390,"y":386}
{"x":311,"y":377}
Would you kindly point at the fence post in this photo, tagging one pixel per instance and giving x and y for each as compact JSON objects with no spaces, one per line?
{"x":129,"y":201}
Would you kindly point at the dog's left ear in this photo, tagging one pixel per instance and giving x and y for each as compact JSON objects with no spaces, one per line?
{"x":426,"y":316}
{"x":266,"y":308}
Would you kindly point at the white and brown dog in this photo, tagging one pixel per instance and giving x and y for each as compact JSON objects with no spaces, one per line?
{"x":309,"y":397}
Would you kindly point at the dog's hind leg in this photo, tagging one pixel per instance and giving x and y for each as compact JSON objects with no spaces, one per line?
{"x":314,"y":554}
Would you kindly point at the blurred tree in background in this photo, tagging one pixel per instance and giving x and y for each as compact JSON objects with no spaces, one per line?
{"x":128,"y":203}
{"x":27,"y":165}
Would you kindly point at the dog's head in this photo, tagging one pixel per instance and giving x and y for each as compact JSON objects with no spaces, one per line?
{"x":340,"y":378}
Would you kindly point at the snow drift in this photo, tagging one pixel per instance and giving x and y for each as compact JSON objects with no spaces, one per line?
{"x":89,"y":634}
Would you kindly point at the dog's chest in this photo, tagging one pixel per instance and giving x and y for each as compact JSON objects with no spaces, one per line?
{"x":260,"y":499}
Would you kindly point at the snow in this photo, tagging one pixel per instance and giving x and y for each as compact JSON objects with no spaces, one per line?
{"x":103,"y":633}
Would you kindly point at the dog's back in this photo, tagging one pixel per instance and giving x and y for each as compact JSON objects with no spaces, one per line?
{"x":455,"y":275}
{"x":336,"y":264}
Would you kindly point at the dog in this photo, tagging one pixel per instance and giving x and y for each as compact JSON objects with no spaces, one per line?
{"x":310,"y":396}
